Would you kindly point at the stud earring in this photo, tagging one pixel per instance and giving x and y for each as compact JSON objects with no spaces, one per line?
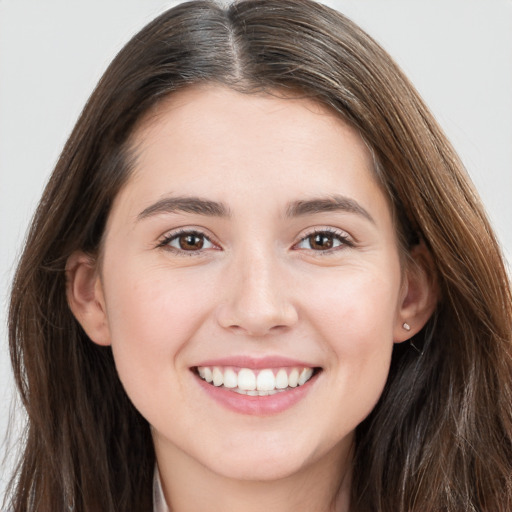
{"x":406,"y":326}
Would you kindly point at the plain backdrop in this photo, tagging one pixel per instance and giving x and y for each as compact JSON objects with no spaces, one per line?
{"x":457,"y":52}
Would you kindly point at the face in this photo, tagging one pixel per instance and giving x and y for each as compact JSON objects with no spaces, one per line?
{"x":252,"y":247}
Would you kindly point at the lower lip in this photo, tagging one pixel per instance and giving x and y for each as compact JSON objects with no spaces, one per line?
{"x":257,"y":405}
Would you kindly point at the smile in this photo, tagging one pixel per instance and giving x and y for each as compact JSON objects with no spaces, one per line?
{"x":262,"y":382}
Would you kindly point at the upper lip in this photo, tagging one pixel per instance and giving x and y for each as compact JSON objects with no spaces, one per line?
{"x":256,"y":363}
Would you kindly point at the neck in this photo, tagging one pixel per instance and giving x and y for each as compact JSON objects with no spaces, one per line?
{"x":323,"y":485}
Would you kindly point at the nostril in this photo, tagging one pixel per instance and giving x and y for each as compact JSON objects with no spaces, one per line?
{"x":256,"y":315}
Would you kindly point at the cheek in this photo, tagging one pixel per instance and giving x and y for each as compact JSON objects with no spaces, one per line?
{"x":151,"y":318}
{"x":153,"y":305}
{"x":360,"y":305}
{"x":356,"y":319}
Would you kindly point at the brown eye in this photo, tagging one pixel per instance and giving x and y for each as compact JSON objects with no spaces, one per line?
{"x":321,"y":241}
{"x":191,"y":242}
{"x":187,"y":241}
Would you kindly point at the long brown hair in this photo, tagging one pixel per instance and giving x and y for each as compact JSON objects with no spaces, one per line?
{"x":440,"y":438}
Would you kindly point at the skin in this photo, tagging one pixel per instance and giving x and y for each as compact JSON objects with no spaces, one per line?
{"x":259,"y":286}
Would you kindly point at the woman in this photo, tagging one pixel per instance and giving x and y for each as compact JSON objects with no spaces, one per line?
{"x":260,"y":277}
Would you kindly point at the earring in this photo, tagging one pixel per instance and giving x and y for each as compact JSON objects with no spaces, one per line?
{"x":406,"y":326}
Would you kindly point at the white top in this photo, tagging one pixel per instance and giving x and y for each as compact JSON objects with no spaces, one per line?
{"x":159,"y":503}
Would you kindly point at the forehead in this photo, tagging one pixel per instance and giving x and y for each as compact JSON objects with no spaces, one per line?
{"x":211,"y":140}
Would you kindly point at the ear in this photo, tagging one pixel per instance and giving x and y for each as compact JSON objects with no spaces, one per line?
{"x":85,"y":297}
{"x":419,"y":294}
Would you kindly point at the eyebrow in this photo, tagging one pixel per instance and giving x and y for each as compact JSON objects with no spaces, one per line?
{"x":195,"y":205}
{"x":200,"y":206}
{"x":334,"y":203}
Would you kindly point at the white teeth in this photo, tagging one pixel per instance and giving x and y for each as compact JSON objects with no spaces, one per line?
{"x":265,"y":381}
{"x":208,"y":377}
{"x":305,"y":375}
{"x":230,"y":379}
{"x":218,"y":377}
{"x":246,"y":379}
{"x":281,"y":379}
{"x":256,"y":383}
{"x":293,"y":378}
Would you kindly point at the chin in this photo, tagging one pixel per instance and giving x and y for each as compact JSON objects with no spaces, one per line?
{"x":258,"y":470}
{"x":262,"y":462}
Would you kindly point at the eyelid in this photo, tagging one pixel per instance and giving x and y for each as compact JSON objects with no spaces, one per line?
{"x":346,"y":239}
{"x":165,"y":239}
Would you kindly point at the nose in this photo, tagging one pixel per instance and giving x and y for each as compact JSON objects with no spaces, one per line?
{"x":256,"y":300}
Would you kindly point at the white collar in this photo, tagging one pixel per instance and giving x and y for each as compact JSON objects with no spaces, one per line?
{"x":159,"y":503}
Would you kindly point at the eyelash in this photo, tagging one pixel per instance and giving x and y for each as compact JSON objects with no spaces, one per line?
{"x":175,"y":235}
{"x":341,"y":236}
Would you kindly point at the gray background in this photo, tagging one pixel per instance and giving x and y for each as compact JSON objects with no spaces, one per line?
{"x":457,"y":52}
